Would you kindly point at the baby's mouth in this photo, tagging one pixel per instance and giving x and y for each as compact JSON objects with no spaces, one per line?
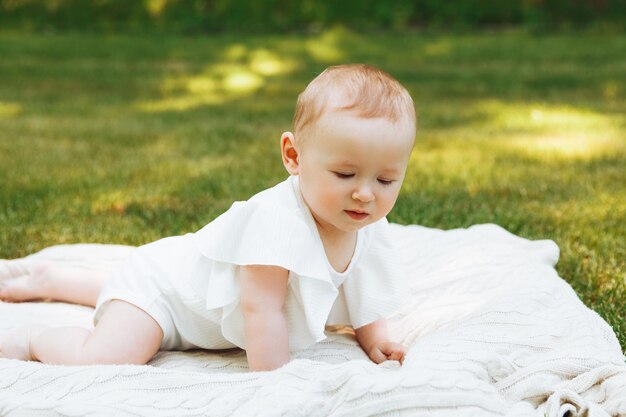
{"x":356,"y":215}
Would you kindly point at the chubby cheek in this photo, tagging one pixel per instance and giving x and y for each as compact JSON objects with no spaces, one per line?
{"x":320,"y":196}
{"x":385,"y":203}
{"x":329,"y":198}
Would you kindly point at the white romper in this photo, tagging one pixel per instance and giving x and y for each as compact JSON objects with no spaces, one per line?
{"x":189,"y":284}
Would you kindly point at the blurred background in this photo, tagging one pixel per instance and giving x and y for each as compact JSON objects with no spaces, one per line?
{"x":123,"y":122}
{"x":213,"y":16}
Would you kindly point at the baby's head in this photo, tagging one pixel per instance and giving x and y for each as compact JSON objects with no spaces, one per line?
{"x":354,"y":130}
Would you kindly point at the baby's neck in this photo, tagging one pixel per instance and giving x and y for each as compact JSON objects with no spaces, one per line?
{"x":339,"y":246}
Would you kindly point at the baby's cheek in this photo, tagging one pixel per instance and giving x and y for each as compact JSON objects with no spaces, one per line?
{"x":330,"y":199}
{"x":387,"y":202}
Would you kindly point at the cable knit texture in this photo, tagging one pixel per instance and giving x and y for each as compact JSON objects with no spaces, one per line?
{"x":491,"y":330}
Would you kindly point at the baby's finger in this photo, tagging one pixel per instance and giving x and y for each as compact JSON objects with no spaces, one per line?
{"x":395,"y":356}
{"x":388,"y":347}
{"x":377,"y":356}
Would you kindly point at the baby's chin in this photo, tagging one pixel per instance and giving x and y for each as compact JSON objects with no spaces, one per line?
{"x":355,"y":226}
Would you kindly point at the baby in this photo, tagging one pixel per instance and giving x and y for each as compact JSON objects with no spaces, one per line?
{"x":269,"y":273}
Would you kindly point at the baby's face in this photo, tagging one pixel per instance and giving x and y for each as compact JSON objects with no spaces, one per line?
{"x":351,"y":169}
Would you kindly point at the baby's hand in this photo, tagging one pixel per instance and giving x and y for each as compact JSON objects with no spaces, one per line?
{"x":387,"y":351}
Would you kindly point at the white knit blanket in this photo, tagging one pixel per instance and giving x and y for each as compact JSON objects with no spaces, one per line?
{"x":491,"y":330}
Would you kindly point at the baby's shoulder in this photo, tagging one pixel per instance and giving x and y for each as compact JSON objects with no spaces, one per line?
{"x":268,"y":229}
{"x":282,"y":195}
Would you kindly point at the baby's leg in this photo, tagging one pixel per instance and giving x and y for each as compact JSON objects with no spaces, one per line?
{"x":124,"y":335}
{"x":49,"y":280}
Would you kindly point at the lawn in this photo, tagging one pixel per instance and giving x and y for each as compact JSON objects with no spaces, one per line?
{"x":128,"y":139}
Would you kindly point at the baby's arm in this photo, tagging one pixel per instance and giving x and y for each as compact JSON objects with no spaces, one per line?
{"x":374,"y":339}
{"x":263,"y":291}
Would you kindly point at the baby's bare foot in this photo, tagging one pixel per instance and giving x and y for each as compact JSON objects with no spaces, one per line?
{"x":35,"y":285}
{"x":15,"y":343}
{"x":14,"y":268}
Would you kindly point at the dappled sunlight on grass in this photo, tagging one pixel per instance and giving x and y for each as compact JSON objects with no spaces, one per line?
{"x":213,"y":86}
{"x":242,"y":81}
{"x":268,"y":63}
{"x":9,"y":110}
{"x":562,"y":132}
{"x":326,"y":48}
{"x":580,"y":146}
{"x":539,"y":117}
{"x":452,"y":164}
{"x":196,"y":85}
{"x":537,"y":130}
{"x":155,"y":7}
{"x":235,"y":52}
{"x":241,"y":73}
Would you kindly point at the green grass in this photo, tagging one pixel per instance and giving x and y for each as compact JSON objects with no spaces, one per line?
{"x":129,"y":139}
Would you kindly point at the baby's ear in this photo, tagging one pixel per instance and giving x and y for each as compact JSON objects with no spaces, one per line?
{"x":289,"y":153}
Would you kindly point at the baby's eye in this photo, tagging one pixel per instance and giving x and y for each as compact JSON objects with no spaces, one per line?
{"x":385,"y":182}
{"x":343,"y":175}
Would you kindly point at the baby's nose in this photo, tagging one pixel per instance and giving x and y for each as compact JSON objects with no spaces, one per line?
{"x":363,"y":194}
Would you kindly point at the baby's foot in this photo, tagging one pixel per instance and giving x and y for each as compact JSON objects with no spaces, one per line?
{"x":35,"y":285}
{"x":15,"y":268}
{"x":15,"y":343}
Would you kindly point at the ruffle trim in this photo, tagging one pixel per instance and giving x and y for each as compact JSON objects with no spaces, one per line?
{"x":378,"y":286}
{"x":258,"y":232}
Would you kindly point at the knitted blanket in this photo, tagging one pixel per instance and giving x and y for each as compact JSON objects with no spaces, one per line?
{"x":491,"y":329}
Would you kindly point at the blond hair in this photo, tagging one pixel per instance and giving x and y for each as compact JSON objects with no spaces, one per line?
{"x":366,"y":90}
